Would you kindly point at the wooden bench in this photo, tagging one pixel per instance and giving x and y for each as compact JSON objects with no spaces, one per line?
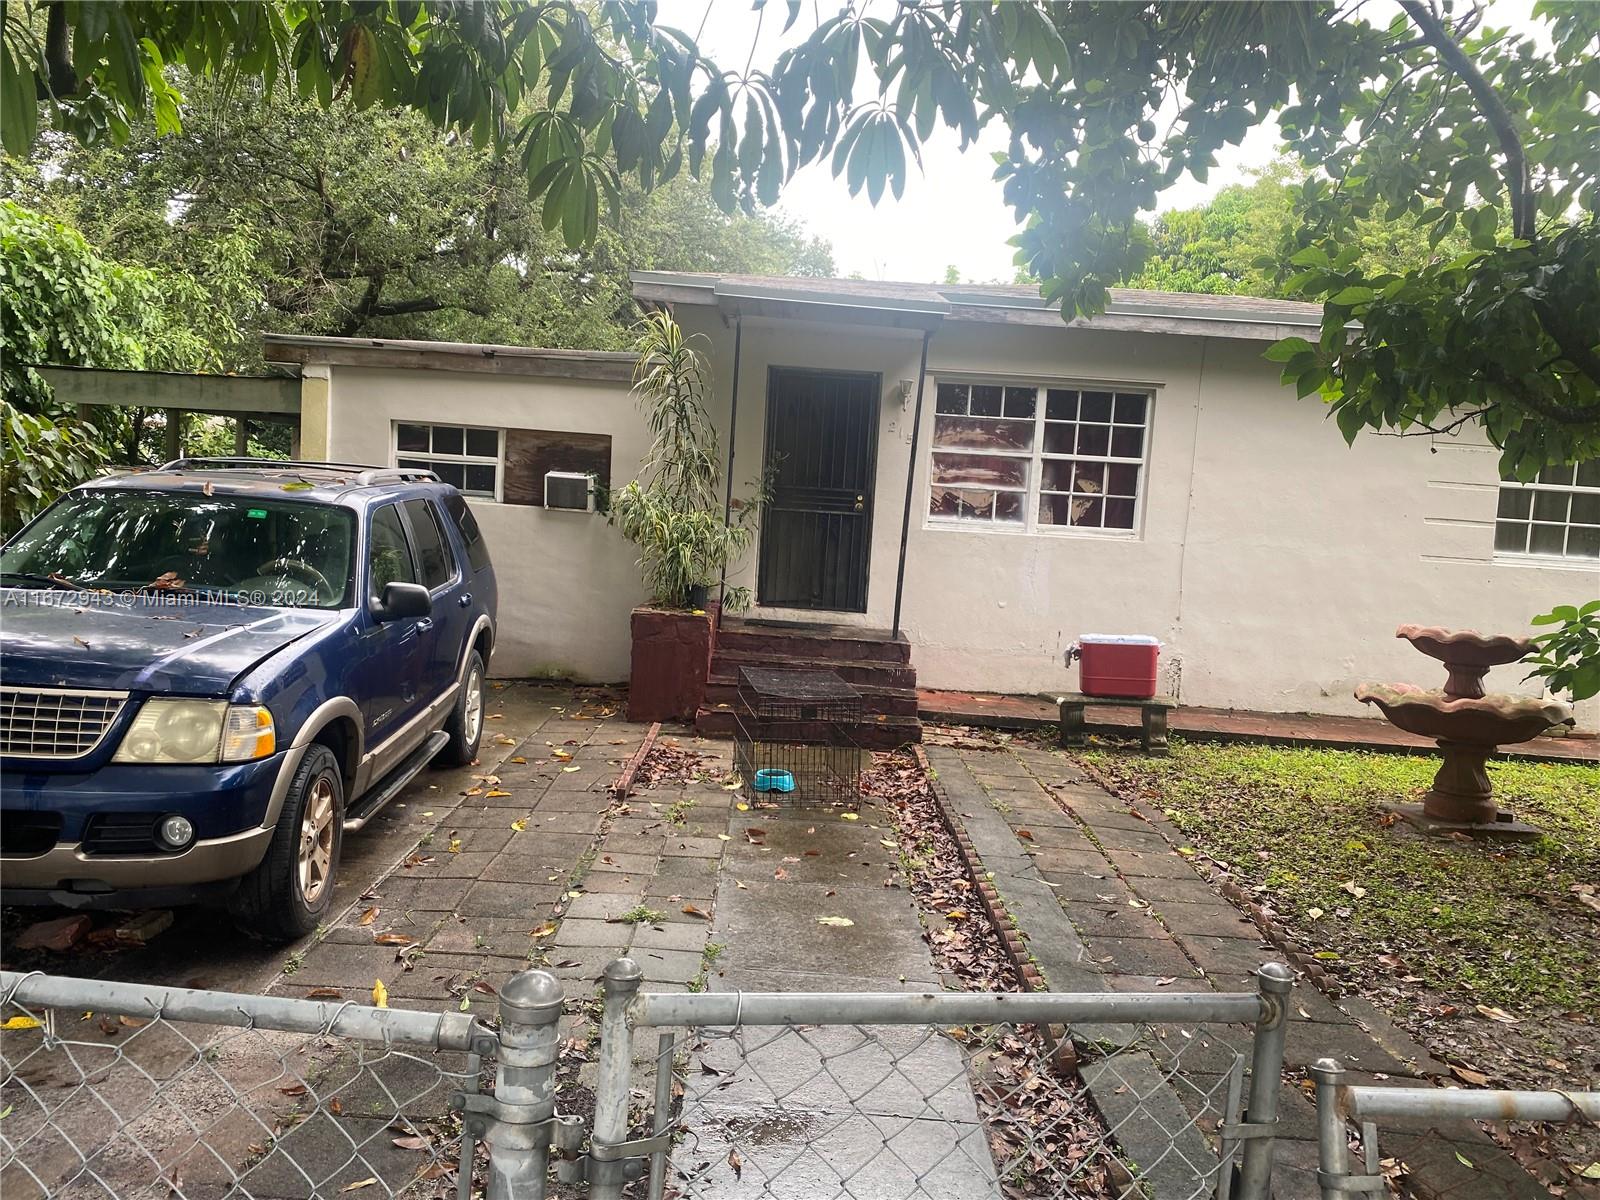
{"x":1153,"y":713}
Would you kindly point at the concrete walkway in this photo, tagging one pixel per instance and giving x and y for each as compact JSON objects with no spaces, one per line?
{"x":1106,"y":902}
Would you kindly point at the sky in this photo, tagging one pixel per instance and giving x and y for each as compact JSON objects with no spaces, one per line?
{"x":952,"y":214}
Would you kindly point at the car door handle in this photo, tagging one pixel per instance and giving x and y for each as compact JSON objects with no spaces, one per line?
{"x":466,"y":599}
{"x":424,"y":624}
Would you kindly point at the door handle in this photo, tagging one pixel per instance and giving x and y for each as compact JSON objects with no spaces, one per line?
{"x":466,"y":599}
{"x":424,"y":624}
{"x":861,"y":503}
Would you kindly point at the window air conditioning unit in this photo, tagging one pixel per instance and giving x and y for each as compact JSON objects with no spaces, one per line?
{"x":570,"y":490}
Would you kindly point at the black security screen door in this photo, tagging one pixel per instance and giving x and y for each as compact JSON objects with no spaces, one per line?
{"x":822,"y":442}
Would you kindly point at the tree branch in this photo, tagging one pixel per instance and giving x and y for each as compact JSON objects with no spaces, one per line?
{"x":1575,"y":347}
{"x":1523,"y":223}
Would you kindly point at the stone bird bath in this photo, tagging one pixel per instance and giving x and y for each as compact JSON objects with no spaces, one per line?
{"x":1467,"y":724}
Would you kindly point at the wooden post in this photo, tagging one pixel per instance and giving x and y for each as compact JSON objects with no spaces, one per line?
{"x":241,"y":436}
{"x":294,"y":438}
{"x":174,"y":434}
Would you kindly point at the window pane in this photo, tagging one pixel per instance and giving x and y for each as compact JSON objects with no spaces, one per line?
{"x":1559,"y":475}
{"x":1130,"y":408}
{"x":1008,"y":506}
{"x":975,"y":433}
{"x":1119,"y":513}
{"x":1094,"y":439}
{"x":1589,"y":473}
{"x":1122,"y":480}
{"x":986,"y":400}
{"x":1550,"y":506}
{"x":483,"y":442}
{"x":1061,"y":405}
{"x":1060,"y":439}
{"x":431,"y":558}
{"x":451,"y":473}
{"x":1127,"y":443}
{"x":1583,"y":541}
{"x":1096,"y":407}
{"x":1020,"y":402}
{"x":447,"y":439}
{"x":1515,"y":502}
{"x":411,"y":437}
{"x":1056,"y":475}
{"x":388,"y":551}
{"x":479,"y":479}
{"x":413,"y":464}
{"x":1511,"y":537}
{"x":1548,"y":539}
{"x":952,"y":398}
{"x":1585,"y":508}
{"x":1087,"y":513}
{"x":1089,"y":477}
{"x":984,"y":469}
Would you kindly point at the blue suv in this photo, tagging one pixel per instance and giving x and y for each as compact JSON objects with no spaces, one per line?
{"x":212,"y":671}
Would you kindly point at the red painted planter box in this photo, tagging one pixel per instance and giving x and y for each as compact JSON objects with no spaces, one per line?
{"x":1117,"y":665}
{"x":671,"y":661}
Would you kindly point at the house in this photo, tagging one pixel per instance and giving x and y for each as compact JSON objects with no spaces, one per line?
{"x":959,"y":471}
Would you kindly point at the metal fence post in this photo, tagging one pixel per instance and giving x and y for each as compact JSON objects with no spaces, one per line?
{"x":519,"y":1131}
{"x":1275,"y":980}
{"x":621,"y":983}
{"x":1333,"y":1154}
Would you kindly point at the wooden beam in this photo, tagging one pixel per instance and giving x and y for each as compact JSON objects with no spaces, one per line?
{"x":602,"y":365}
{"x":219,"y":394}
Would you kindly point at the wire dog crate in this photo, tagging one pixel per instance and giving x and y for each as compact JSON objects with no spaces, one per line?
{"x":794,"y":737}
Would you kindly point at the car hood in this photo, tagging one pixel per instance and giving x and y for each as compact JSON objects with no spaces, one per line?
{"x":141,"y":644}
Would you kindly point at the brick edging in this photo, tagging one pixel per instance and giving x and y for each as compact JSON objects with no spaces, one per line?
{"x":623,"y":784}
{"x":993,"y":903}
{"x":1299,"y":957}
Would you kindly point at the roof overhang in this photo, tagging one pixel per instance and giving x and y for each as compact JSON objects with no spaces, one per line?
{"x":790,"y":299}
{"x":388,"y":353}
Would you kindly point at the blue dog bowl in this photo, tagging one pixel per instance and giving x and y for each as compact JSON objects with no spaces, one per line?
{"x":769,"y":779}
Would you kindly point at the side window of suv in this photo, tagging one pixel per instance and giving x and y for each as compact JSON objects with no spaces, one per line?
{"x":471,"y":535}
{"x":433,"y":556}
{"x":388,"y":550}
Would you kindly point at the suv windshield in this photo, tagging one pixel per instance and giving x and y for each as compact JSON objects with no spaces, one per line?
{"x":243,"y":549}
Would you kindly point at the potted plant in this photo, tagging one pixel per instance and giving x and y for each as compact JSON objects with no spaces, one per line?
{"x":673,"y":514}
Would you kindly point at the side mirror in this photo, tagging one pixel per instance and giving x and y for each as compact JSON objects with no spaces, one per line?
{"x":402,"y":600}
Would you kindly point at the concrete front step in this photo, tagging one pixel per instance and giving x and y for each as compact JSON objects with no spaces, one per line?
{"x":893,"y":701}
{"x":814,"y":642}
{"x":875,"y":733}
{"x":725,"y":664}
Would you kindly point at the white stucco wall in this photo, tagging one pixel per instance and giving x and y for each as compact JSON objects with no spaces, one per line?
{"x":1273,"y":561}
{"x":567,"y":580}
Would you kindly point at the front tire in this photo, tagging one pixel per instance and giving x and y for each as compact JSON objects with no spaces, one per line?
{"x":465,"y":725}
{"x":289,"y":893}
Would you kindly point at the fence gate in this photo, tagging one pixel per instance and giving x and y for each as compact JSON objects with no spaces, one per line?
{"x":122,"y":1090}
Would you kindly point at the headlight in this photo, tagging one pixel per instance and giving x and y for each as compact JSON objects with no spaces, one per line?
{"x":197,"y":731}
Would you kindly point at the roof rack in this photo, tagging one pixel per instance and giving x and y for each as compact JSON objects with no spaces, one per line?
{"x":360,"y":474}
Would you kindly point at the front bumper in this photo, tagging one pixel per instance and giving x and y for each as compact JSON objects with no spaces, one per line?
{"x":233,"y":809}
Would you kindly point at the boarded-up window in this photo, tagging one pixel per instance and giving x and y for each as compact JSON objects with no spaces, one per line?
{"x":530,"y":453}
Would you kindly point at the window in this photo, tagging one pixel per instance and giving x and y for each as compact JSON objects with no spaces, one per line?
{"x":466,"y":458}
{"x":471,"y":535}
{"x":388,"y":551}
{"x":1021,"y":456}
{"x":1557,"y":515}
{"x":433,"y":556}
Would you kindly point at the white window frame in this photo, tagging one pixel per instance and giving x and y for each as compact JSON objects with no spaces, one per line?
{"x":1530,"y":522}
{"x":1038,"y":456}
{"x":498,"y":462}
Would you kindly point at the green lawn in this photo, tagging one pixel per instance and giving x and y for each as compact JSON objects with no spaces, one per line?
{"x":1497,"y":924}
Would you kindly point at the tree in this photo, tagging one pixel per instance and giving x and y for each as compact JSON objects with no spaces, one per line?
{"x":372,"y":223}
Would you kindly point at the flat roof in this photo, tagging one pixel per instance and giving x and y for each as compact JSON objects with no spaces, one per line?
{"x":307,"y":350}
{"x":1132,"y":309}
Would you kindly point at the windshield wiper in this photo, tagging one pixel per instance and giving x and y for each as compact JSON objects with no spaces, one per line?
{"x":54,"y":581}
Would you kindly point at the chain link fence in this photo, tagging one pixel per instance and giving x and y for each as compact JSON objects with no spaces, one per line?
{"x":126,"y":1091}
{"x":873,"y":1097}
{"x":1356,"y":1166}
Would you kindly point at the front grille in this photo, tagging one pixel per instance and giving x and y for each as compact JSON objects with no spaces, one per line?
{"x":54,"y":723}
{"x":121,"y":833}
{"x":24,"y":834}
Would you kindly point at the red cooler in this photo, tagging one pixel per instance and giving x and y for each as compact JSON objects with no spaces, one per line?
{"x":1115,"y":664}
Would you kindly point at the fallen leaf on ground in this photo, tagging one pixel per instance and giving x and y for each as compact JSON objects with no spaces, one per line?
{"x":1468,"y":1075}
{"x":1498,"y":1014}
{"x":520,"y":825}
{"x":359,"y":1184}
{"x":543,"y":931}
{"x":294,"y":1089}
{"x":20,"y":1022}
{"x":851,"y":816}
{"x":380,"y":994}
{"x":840,"y":922}
{"x":572,"y":768}
{"x":391,"y":939}
{"x":691,"y":910}
{"x":410,"y":1143}
{"x":1354,"y":888}
{"x":325,"y":993}
{"x":455,"y":845}
{"x":497,"y":793}
{"x":368,"y":917}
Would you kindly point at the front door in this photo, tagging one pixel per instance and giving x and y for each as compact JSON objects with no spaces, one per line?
{"x":822,"y":444}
